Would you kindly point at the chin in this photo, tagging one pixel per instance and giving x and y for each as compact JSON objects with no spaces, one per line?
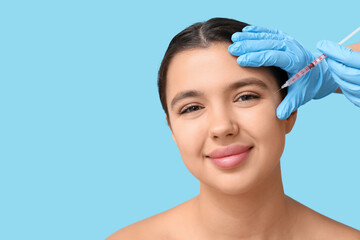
{"x":233,"y":186}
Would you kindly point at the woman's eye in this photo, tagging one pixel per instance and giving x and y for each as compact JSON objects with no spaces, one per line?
{"x":247,"y":97}
{"x":191,"y":108}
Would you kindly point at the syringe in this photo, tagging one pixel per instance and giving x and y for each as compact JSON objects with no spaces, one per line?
{"x":306,"y":69}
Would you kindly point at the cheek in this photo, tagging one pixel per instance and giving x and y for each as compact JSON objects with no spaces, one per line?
{"x":189,"y":138}
{"x":264,"y":122}
{"x":267,"y":131}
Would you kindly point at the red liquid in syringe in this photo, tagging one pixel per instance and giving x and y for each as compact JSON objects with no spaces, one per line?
{"x":303,"y":71}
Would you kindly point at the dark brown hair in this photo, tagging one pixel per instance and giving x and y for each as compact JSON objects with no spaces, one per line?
{"x":201,"y":35}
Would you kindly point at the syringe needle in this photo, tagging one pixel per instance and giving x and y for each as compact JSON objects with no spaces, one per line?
{"x":278,"y":91}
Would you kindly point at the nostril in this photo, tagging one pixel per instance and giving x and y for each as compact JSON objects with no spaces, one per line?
{"x":223,"y":128}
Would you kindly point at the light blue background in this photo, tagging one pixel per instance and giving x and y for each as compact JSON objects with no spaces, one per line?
{"x":84,"y":146}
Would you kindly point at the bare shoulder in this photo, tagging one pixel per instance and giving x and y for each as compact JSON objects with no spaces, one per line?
{"x":333,"y":230}
{"x":318,"y":226}
{"x":149,"y":228}
{"x":160,"y":226}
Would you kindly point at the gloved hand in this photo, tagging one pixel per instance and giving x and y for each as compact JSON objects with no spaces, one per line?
{"x":344,"y":65}
{"x":258,"y":46}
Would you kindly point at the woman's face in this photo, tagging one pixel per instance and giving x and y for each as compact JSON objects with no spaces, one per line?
{"x":222,"y":118}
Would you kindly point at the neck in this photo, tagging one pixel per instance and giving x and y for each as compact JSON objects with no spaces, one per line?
{"x":260,"y":213}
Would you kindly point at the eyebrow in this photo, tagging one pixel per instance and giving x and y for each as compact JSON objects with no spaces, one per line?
{"x":248,"y":81}
{"x":185,"y":94}
{"x":238,"y":84}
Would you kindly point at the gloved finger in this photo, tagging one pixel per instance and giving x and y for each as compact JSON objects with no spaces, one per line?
{"x":298,"y":94}
{"x":349,"y":86}
{"x":261,"y":29}
{"x":339,"y":53}
{"x":240,"y":36}
{"x":355,"y":99}
{"x":351,"y":75}
{"x":275,"y":58}
{"x":248,"y":46}
{"x":293,"y":100}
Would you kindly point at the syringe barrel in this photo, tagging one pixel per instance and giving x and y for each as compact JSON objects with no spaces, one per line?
{"x":317,"y":61}
{"x":303,"y":71}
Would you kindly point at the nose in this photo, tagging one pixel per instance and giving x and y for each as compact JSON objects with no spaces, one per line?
{"x":223,"y":124}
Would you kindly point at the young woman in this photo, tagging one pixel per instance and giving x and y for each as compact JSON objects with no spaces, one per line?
{"x":223,"y":119}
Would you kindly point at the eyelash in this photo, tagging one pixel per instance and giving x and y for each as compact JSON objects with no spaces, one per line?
{"x":187,"y":109}
{"x":247,"y":97}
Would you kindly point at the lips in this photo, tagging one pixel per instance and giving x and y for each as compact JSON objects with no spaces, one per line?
{"x":230,"y":156}
{"x":228,"y":151}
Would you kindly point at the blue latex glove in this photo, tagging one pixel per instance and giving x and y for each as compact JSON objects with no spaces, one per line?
{"x":258,"y":46}
{"x":344,"y":64}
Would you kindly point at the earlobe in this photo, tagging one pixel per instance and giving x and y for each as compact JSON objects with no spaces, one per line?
{"x":290,"y":122}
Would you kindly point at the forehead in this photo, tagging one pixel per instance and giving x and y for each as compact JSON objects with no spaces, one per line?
{"x":210,"y":68}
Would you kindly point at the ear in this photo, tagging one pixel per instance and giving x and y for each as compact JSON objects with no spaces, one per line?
{"x":169,"y":124}
{"x":290,"y":122}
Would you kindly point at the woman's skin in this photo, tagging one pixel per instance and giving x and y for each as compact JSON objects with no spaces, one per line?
{"x":355,"y":47}
{"x":227,"y":105}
